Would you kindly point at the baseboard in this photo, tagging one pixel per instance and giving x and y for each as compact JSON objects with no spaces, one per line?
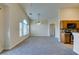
{"x":17,"y":43}
{"x":40,"y":36}
{"x":1,"y":50}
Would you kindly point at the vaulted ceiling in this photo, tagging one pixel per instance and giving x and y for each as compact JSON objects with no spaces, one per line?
{"x":46,"y":10}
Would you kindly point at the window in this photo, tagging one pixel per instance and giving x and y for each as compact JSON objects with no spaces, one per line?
{"x":24,"y":28}
{"x":20,"y":27}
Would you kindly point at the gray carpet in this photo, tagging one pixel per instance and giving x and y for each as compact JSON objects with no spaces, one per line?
{"x":40,"y":46}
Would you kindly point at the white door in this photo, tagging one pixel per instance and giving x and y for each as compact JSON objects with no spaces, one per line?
{"x":52,"y":30}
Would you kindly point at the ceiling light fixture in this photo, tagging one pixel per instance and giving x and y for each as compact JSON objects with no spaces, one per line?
{"x":30,"y":13}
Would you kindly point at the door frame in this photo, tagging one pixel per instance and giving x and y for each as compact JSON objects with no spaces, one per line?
{"x":50,"y":29}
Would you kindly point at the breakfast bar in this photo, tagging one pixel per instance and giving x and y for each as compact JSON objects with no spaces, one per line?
{"x":76,"y":42}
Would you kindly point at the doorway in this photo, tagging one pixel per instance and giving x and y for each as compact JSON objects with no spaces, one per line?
{"x":52,"y":30}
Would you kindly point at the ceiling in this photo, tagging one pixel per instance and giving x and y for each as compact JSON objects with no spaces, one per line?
{"x":47,"y":10}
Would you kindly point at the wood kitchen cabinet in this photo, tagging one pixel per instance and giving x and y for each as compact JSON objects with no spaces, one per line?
{"x":63,"y":23}
{"x":62,"y":37}
{"x":66,"y":38}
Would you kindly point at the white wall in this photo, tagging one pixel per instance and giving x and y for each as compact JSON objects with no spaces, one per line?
{"x":2,"y":27}
{"x":44,"y":28}
{"x":10,"y":16}
{"x":16,"y":15}
{"x":40,"y":30}
{"x":7,"y":27}
{"x":69,"y":14}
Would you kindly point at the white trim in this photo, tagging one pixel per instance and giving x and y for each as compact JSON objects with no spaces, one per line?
{"x":17,"y":43}
{"x":1,"y":50}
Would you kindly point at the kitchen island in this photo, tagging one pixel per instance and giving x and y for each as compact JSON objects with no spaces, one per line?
{"x":76,"y":42}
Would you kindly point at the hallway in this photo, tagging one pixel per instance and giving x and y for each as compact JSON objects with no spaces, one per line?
{"x":40,"y":46}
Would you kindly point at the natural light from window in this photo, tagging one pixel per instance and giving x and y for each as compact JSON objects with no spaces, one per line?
{"x":23,"y":28}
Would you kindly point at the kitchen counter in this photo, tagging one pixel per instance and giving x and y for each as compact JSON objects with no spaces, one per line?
{"x":76,"y":42}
